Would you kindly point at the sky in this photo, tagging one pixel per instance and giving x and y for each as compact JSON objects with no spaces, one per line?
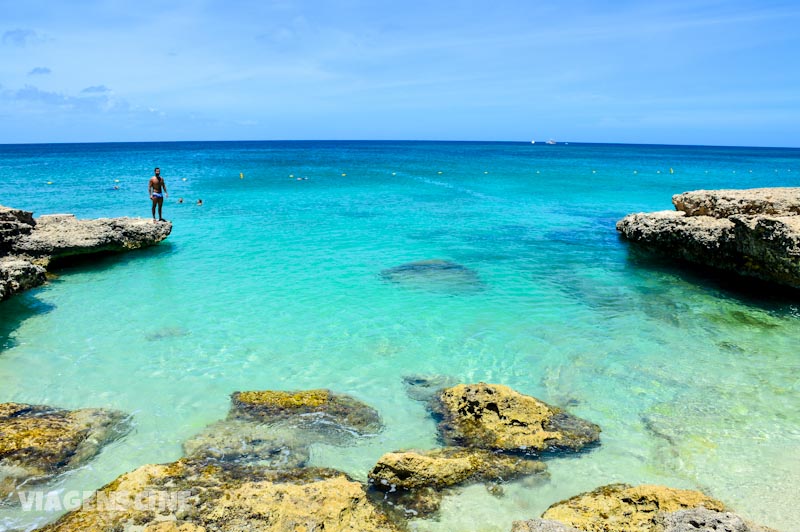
{"x":671,"y":72}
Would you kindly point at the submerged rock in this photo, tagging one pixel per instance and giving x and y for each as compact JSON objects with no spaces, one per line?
{"x":38,"y":442}
{"x":28,"y":245}
{"x":425,"y":387}
{"x":321,"y":409}
{"x":493,"y":416}
{"x":624,"y":508}
{"x":250,"y":442}
{"x":752,"y":232}
{"x":275,"y":428}
{"x":434,"y":274}
{"x":194,"y":496}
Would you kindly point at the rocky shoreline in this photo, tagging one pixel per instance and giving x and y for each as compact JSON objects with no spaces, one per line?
{"x":249,"y":471}
{"x":29,"y":245}
{"x":753,"y":232}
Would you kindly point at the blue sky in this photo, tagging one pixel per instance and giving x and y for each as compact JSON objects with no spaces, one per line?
{"x":695,"y":72}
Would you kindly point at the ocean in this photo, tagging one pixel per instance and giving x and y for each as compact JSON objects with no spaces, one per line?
{"x":276,"y":282}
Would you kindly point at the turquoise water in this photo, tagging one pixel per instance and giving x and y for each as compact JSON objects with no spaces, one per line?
{"x":274,"y":283}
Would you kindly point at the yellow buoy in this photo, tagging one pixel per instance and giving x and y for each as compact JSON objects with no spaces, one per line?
{"x":344,"y":175}
{"x":49,"y":182}
{"x":671,"y":171}
{"x":241,"y":175}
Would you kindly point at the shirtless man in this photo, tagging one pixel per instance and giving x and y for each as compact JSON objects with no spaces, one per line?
{"x":157,"y":190}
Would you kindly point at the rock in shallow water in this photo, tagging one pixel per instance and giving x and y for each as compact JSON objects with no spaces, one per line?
{"x":750,"y":232}
{"x":322,"y":409}
{"x":441,"y":468}
{"x":276,"y":428}
{"x":193,"y":496}
{"x":493,"y":416}
{"x":435,"y":275}
{"x":624,"y":508}
{"x":38,"y":442}
{"x":425,"y":387}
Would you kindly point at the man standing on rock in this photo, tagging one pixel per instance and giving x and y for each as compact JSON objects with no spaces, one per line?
{"x":157,"y":190}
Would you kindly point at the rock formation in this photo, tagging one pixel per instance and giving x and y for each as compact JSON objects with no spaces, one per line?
{"x":28,"y":245}
{"x":753,"y":232}
{"x":195,"y":496}
{"x":646,"y":508}
{"x":38,"y":442}
{"x":413,"y":480}
{"x":276,"y":428}
{"x":495,"y":417}
{"x":624,"y":508}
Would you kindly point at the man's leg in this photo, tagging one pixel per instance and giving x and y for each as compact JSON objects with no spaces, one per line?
{"x":154,"y":208}
{"x":160,"y":203}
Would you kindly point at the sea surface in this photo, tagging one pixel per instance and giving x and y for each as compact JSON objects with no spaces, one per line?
{"x":276,"y":282}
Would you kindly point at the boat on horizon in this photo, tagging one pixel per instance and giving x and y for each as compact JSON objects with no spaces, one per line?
{"x":551,"y":141}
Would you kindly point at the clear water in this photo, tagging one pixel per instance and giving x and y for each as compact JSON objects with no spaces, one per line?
{"x":275,"y":283}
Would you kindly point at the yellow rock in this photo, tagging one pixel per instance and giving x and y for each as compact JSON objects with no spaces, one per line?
{"x":624,"y":508}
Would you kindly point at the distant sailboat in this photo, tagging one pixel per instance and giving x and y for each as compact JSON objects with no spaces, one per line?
{"x":533,"y":142}
{"x":551,"y":141}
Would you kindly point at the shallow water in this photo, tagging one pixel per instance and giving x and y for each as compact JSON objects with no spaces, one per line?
{"x":276,"y":283}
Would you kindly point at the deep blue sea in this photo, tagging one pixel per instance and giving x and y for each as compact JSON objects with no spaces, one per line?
{"x":275,"y":283}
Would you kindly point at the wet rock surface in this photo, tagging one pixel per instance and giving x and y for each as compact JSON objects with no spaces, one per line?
{"x":28,"y":245}
{"x":436,"y":275}
{"x":753,"y":232}
{"x":38,"y":442}
{"x":624,"y":508}
{"x":440,"y":468}
{"x":322,"y":410}
{"x":496,"y":417}
{"x":191,"y":495}
{"x":413,"y":482}
{"x":276,"y":428}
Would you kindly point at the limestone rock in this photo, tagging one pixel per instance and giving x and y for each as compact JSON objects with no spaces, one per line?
{"x":725,"y":203}
{"x":750,"y":232}
{"x":323,"y":410}
{"x":62,"y":235}
{"x":194,"y":496}
{"x":440,"y":468}
{"x":541,"y":525}
{"x":37,"y":442}
{"x":14,"y":223}
{"x":623,"y":508}
{"x":18,"y":275}
{"x":705,"y":520}
{"x":28,"y":246}
{"x":493,"y":416}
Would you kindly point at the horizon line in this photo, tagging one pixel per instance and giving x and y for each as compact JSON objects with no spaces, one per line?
{"x":543,"y":143}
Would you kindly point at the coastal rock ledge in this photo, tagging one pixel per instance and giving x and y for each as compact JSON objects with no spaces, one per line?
{"x":753,"y":232}
{"x":28,"y":246}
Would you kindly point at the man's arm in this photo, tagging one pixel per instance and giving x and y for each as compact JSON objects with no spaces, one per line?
{"x":150,"y":188}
